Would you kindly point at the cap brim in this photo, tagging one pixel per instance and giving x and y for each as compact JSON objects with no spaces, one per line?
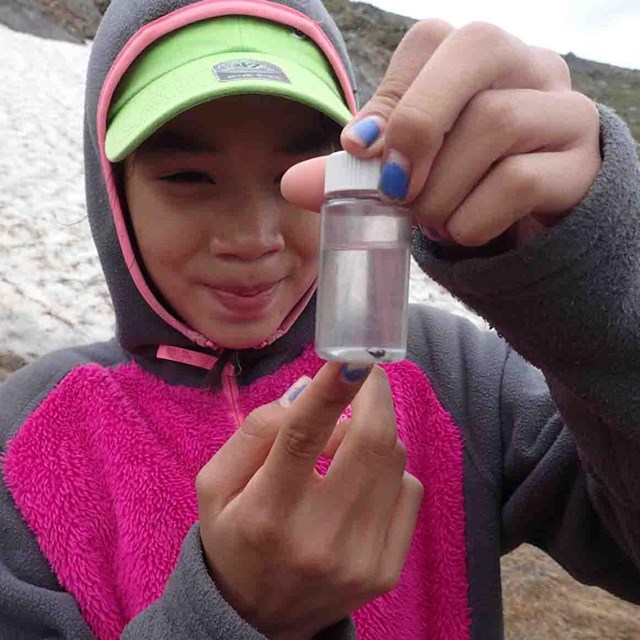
{"x":195,"y":83}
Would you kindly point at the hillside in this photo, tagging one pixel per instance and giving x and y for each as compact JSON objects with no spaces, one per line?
{"x":371,"y":35}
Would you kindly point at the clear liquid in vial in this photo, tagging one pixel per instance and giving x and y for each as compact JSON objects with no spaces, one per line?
{"x":362,"y":302}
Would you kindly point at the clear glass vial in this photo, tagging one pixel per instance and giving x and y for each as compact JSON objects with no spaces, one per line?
{"x":363,"y":284}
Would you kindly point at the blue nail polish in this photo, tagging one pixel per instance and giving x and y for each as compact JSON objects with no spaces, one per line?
{"x":394,"y":181}
{"x":368,"y":130}
{"x":352,"y":373}
{"x":296,"y":392}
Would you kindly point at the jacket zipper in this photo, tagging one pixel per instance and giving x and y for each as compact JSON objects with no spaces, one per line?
{"x":231,"y":392}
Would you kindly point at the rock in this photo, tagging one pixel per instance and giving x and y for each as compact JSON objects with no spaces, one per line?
{"x":9,"y":363}
{"x":543,"y":602}
{"x":29,"y":16}
{"x":371,"y":36}
{"x":71,"y":20}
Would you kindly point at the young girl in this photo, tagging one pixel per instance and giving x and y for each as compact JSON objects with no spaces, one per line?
{"x":187,"y":480}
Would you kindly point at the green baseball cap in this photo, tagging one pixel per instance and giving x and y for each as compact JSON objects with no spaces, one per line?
{"x":213,"y":58}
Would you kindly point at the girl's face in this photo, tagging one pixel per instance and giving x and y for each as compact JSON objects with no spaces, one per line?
{"x":225,"y":249}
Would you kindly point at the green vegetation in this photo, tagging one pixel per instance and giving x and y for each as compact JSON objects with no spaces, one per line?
{"x":613,"y":86}
{"x":372,"y":35}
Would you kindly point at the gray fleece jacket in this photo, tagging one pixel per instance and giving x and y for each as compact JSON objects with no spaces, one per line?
{"x":527,"y":434}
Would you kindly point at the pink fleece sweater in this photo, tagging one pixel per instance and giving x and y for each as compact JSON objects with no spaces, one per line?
{"x":103,"y":473}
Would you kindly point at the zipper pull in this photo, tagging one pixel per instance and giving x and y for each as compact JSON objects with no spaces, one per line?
{"x":231,"y":392}
{"x":233,"y":367}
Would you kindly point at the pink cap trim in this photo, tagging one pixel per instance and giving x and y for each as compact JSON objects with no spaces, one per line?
{"x":146,"y":36}
{"x":186,"y":356}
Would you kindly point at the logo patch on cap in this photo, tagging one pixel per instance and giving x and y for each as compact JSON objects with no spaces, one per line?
{"x":248,"y":69}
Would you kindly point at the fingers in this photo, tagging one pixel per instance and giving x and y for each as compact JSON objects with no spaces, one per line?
{"x":336,"y":438}
{"x":370,"y":454}
{"x":544,"y":183}
{"x":470,"y":60}
{"x":401,"y":527}
{"x":434,"y":76}
{"x":552,"y":70}
{"x":306,"y":428}
{"x":494,"y":125}
{"x":453,"y":106}
{"x":413,"y":52}
{"x":303,"y":184}
{"x":467,"y":61}
{"x":228,"y":472}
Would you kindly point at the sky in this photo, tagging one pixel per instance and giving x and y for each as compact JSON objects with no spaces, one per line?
{"x":600,"y":30}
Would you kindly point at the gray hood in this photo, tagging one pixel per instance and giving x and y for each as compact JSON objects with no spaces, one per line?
{"x":140,"y":326}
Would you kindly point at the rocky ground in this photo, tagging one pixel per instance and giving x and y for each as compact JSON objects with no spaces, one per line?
{"x":542,"y":602}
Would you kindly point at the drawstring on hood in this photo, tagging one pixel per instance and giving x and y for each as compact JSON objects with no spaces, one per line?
{"x":144,"y":326}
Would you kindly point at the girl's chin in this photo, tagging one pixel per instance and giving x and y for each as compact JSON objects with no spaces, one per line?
{"x":241,"y":335}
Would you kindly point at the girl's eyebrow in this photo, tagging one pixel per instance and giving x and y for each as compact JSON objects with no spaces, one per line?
{"x":168,"y":141}
{"x":305,"y":141}
{"x":173,"y":141}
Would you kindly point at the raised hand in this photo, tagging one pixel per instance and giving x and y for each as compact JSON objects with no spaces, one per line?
{"x":479,"y":132}
{"x":292,"y":551}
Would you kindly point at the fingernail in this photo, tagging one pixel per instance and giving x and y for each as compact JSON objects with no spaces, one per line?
{"x":394,"y":179}
{"x":431,"y":233}
{"x":365,"y":132}
{"x":294,"y":391}
{"x":354,"y":372}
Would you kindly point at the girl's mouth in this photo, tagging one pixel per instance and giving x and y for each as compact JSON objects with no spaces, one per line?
{"x":246,"y":300}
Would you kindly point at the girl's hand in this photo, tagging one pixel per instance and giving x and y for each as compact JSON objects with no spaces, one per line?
{"x":479,"y":131}
{"x":292,"y":551}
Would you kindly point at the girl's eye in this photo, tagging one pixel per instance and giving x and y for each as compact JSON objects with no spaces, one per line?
{"x":190,"y":177}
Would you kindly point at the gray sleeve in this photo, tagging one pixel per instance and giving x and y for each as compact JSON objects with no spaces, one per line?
{"x":569,"y":303}
{"x":518,"y":442}
{"x":192,"y":608}
{"x":551,"y":496}
{"x":33,"y":606}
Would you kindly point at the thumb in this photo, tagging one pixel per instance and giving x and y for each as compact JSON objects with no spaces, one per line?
{"x":229,"y":471}
{"x":303,"y":184}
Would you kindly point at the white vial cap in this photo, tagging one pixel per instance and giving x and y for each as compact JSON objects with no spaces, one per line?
{"x":347,"y":173}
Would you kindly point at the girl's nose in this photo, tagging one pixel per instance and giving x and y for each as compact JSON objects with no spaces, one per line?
{"x":247,"y":234}
{"x":246,"y":247}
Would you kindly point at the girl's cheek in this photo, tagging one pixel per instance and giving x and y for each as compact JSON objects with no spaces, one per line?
{"x":175,"y":244}
{"x":167,"y":236}
{"x":307,"y":234}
